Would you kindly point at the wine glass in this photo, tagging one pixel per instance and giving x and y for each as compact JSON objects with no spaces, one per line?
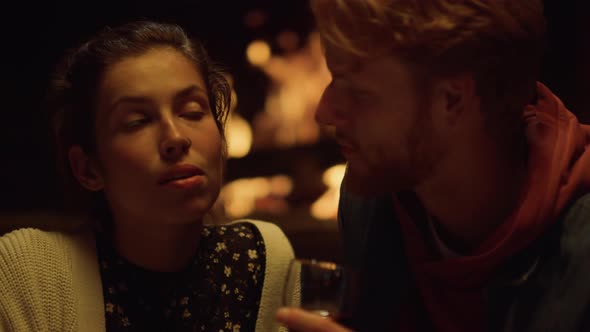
{"x":317,"y":286}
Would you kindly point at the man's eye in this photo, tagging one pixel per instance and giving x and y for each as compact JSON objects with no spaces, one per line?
{"x":359,"y":95}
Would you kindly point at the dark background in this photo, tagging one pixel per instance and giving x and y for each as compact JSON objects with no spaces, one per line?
{"x":36,"y":34}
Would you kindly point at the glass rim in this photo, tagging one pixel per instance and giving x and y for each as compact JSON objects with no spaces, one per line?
{"x":329,"y":265}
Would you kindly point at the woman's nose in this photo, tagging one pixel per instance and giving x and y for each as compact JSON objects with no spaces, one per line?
{"x":174,"y":145}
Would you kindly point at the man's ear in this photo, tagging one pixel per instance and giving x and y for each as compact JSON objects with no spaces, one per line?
{"x":455,"y":96}
{"x":85,"y":169}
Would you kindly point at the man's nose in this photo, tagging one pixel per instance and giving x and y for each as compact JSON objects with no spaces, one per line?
{"x":329,"y":111}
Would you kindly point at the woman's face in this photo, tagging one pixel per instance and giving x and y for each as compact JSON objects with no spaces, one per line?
{"x":159,"y":152}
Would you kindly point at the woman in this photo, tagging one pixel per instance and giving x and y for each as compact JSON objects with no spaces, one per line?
{"x":139,"y":115}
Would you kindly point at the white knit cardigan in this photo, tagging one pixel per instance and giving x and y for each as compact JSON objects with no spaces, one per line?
{"x":50,"y":281}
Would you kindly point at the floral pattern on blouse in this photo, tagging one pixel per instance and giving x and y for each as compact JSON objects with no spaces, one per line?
{"x":220,"y":290}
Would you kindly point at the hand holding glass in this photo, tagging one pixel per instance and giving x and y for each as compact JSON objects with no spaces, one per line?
{"x":316,"y":286}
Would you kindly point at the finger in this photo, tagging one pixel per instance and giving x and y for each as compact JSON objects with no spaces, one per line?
{"x":301,"y":320}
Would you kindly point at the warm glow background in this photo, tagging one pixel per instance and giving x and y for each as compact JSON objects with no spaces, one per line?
{"x":282,"y":167}
{"x":297,"y":78}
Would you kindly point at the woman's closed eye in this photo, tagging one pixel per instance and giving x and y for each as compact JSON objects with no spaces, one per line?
{"x":135,"y":121}
{"x":193,"y":115}
{"x":193,"y":111}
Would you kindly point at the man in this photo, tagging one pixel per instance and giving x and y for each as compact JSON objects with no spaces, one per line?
{"x":465,"y":204}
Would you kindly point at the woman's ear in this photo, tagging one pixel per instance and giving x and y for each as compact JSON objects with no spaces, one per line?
{"x":84,"y":169}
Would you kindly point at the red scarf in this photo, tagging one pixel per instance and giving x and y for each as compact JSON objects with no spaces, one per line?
{"x":558,"y":172}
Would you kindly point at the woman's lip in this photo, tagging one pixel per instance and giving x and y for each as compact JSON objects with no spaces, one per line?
{"x":186,"y":183}
{"x":179,"y":172}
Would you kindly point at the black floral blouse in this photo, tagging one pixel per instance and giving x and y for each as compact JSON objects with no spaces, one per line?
{"x":219,"y":291}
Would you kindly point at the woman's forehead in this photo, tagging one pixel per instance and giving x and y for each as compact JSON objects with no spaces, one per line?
{"x":156,"y":72}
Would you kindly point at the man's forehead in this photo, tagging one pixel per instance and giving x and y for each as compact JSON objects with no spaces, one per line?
{"x":340,"y":60}
{"x":342,"y":63}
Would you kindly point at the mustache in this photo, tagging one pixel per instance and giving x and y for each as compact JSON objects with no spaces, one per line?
{"x":345,"y":140}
